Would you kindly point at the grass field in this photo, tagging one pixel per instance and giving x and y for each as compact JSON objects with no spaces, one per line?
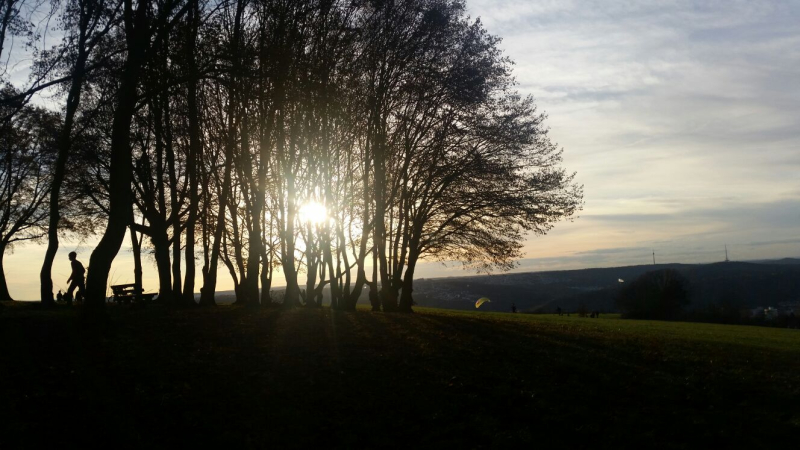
{"x":232,"y":377}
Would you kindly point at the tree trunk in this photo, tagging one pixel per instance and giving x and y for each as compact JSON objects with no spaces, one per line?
{"x":64,"y":145}
{"x":292,"y":294}
{"x":406,"y":300}
{"x":266,"y":284}
{"x":250,"y":282}
{"x":361,"y":275}
{"x":161,"y":252}
{"x":388,"y":301}
{"x":374,"y":296}
{"x":120,"y":171}
{"x":311,"y":267}
{"x":327,"y":260}
{"x":136,"y":246}
{"x":174,"y":207}
{"x":4,"y":295}
{"x":206,"y":300}
{"x":195,"y":150}
{"x":210,"y":272}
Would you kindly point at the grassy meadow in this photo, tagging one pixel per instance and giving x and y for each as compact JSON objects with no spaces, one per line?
{"x":234,"y":377}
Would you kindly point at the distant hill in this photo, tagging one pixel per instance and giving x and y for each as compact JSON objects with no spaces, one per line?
{"x":750,"y":284}
{"x":778,"y":261}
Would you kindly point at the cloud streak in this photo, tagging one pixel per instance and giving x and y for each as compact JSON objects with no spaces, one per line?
{"x":680,"y":118}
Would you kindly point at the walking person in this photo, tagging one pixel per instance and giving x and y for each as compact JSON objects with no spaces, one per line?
{"x":76,"y":279}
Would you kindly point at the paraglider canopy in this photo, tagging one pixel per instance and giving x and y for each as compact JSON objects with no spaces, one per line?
{"x":481,"y":301}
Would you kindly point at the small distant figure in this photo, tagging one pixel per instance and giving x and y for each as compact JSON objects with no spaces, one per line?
{"x":76,"y":279}
{"x":513,"y":307}
{"x":558,"y":310}
{"x":59,"y":296}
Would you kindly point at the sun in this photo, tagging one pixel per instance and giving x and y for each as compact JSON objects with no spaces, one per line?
{"x":313,"y":212}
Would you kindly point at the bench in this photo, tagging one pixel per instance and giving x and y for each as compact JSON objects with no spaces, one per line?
{"x":124,"y":293}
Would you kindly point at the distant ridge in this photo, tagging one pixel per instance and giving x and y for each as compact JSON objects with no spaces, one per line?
{"x":782,"y":261}
{"x":758,"y":283}
{"x":750,"y":283}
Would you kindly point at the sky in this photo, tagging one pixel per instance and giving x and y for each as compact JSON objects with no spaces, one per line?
{"x":681,"y":119}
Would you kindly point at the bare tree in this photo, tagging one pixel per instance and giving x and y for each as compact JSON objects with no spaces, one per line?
{"x":27,"y":152}
{"x":87,"y":23}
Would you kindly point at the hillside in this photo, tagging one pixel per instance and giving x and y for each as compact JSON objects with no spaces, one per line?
{"x":751,"y":284}
{"x":229,"y":377}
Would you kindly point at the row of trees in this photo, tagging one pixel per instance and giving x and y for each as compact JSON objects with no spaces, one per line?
{"x":216,"y":128}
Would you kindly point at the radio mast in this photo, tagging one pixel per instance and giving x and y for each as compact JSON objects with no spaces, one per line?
{"x":726,"y":253}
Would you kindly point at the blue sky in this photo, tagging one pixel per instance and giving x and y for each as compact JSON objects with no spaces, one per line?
{"x":682,"y":119}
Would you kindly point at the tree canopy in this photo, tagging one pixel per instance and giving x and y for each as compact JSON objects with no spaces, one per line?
{"x":213,"y":127}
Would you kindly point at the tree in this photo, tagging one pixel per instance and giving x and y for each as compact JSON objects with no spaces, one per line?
{"x":655,"y":295}
{"x":218,"y":124}
{"x":27,"y":153}
{"x":139,"y":30}
{"x":88,"y":23}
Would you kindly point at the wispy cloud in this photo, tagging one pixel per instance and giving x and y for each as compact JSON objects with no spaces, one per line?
{"x":679,"y":116}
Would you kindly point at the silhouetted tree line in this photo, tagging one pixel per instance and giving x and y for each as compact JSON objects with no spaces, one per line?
{"x":208,"y":127}
{"x":665,"y":295}
{"x":657,"y":295}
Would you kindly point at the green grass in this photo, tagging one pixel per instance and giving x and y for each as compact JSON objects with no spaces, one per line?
{"x":228,"y":376}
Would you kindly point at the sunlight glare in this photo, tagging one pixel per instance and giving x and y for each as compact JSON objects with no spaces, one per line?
{"x":313,"y":212}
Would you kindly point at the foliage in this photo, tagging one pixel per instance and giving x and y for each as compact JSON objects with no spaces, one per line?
{"x":206,"y":126}
{"x":660,"y":294}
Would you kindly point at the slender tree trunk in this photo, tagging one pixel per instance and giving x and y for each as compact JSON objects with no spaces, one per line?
{"x":266,"y":283}
{"x":374,"y":294}
{"x":4,"y":294}
{"x":193,"y":161}
{"x":361,"y":275}
{"x":311,"y":267}
{"x":174,"y":206}
{"x":210,"y":278}
{"x":64,"y":145}
{"x":161,"y":251}
{"x":292,"y":294}
{"x":136,"y":246}
{"x":388,"y":301}
{"x":176,"y":264}
{"x":206,"y":300}
{"x":328,"y":261}
{"x":406,"y":300}
{"x":250,"y":283}
{"x":210,"y":275}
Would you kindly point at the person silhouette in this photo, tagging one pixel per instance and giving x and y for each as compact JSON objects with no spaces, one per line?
{"x":59,"y":296}
{"x":513,"y":308}
{"x":76,"y":279}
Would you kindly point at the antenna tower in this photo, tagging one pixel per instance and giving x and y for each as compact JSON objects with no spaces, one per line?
{"x":654,"y":257}
{"x":726,"y":253}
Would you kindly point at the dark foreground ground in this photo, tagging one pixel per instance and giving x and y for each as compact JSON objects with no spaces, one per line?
{"x":234,"y":378}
